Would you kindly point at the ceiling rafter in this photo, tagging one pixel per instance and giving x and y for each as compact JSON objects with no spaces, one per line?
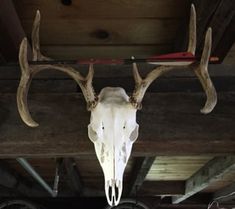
{"x":140,"y":170}
{"x":73,"y":176}
{"x":209,"y":173}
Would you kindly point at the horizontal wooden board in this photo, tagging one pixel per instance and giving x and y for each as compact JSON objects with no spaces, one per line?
{"x":103,"y":9}
{"x":105,"y":32}
{"x":175,"y":167}
{"x":76,"y":52}
{"x":222,"y":182}
{"x":153,"y":188}
{"x":176,"y":124}
{"x":12,"y":72}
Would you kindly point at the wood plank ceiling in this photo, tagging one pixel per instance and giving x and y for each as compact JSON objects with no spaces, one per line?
{"x":180,"y":147}
{"x":97,"y":28}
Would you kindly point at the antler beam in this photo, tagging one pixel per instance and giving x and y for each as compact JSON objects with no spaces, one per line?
{"x":28,"y":71}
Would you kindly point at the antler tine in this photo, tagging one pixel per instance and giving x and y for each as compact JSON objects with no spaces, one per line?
{"x":141,"y":85}
{"x":200,"y":69}
{"x":37,"y":55}
{"x":202,"y":73}
{"x":28,"y":71}
{"x":192,"y":31}
{"x":22,"y":91}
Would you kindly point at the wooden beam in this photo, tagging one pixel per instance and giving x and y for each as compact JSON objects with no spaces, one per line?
{"x":226,"y":194}
{"x":211,"y":172}
{"x":140,"y":170}
{"x":73,"y":176}
{"x":11,"y":31}
{"x":63,"y":126}
{"x":223,"y":77}
{"x":159,"y":188}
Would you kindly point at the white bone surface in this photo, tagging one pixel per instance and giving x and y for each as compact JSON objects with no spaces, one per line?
{"x":113,"y":130}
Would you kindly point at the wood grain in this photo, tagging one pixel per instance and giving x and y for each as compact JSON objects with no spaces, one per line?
{"x":174,"y":117}
{"x":93,"y":32}
{"x":125,"y":51}
{"x":175,"y":167}
{"x":103,"y":9}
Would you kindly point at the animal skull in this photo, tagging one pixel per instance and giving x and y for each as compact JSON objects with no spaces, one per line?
{"x":113,"y":128}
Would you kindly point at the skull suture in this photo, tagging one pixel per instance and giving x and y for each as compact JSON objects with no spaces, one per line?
{"x":113,"y":130}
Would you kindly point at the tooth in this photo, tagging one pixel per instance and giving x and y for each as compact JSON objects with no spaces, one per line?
{"x":110,"y":202}
{"x":119,"y":193}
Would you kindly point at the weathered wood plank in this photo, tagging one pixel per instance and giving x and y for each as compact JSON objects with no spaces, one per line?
{"x":105,"y":32}
{"x":164,"y":84}
{"x":175,"y":121}
{"x":167,"y":168}
{"x":153,"y":188}
{"x":12,"y":72}
{"x":211,"y":172}
{"x":102,"y":9}
{"x":109,"y":51}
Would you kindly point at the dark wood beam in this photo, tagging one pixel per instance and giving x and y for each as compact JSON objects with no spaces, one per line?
{"x":73,"y":177}
{"x":227,"y":194}
{"x":140,"y":170}
{"x":208,"y":174}
{"x":159,"y":188}
{"x":11,"y":31}
{"x":223,"y":77}
{"x":63,"y":123}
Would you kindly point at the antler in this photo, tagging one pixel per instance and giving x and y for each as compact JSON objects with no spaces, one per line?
{"x":200,"y":69}
{"x":28,"y":71}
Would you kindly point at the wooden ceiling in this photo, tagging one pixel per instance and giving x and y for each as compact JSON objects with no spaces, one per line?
{"x":180,"y":153}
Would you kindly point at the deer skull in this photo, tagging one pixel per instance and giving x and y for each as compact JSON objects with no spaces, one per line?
{"x":113,"y":128}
